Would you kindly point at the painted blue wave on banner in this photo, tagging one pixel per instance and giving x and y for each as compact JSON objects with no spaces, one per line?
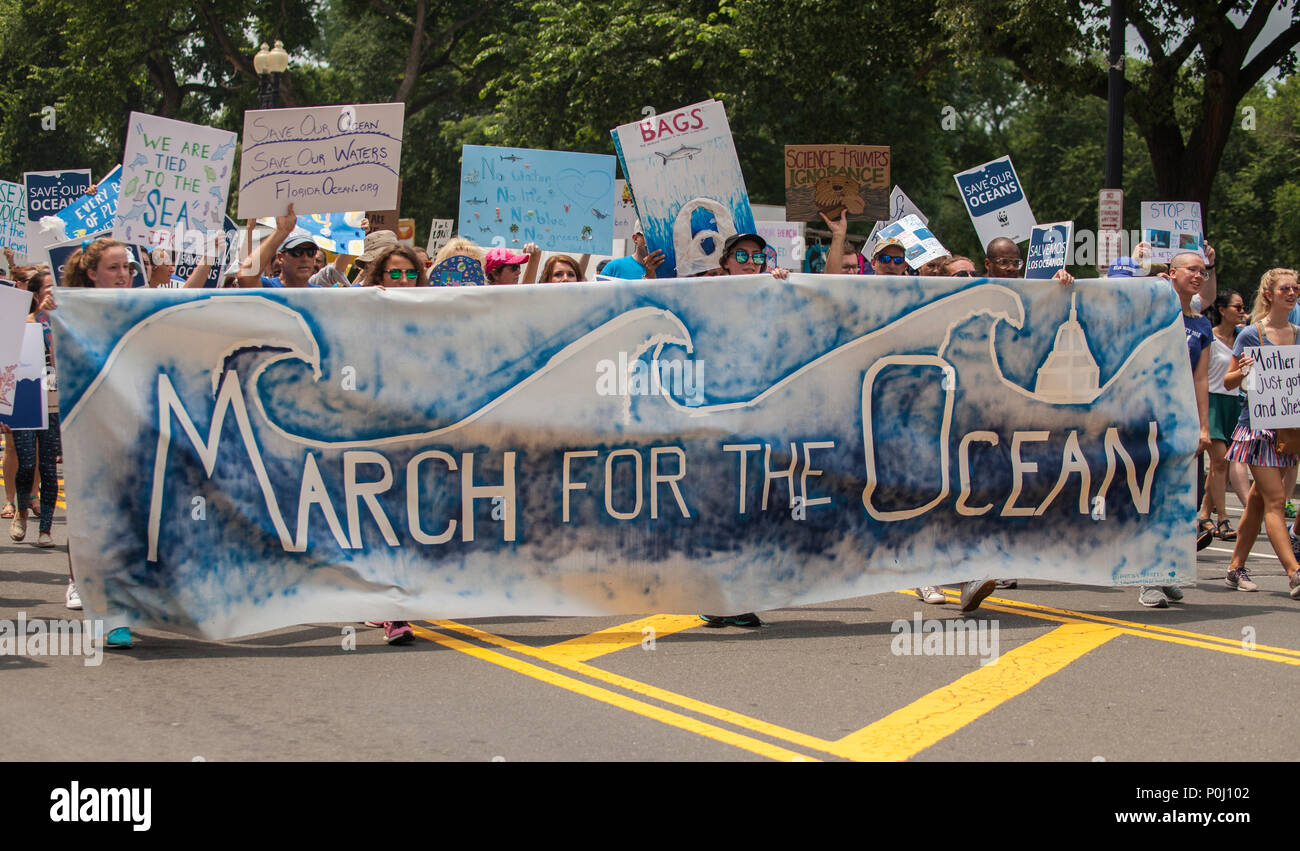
{"x":728,"y":444}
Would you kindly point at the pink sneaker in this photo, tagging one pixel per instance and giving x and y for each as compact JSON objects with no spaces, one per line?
{"x":398,"y":632}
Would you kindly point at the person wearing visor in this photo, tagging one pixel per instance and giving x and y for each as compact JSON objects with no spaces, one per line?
{"x":502,"y":266}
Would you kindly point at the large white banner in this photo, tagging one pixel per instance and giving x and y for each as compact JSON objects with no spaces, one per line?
{"x":241,"y":461}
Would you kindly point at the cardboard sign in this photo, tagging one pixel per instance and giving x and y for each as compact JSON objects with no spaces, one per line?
{"x":561,"y":201}
{"x":28,"y":411}
{"x":48,"y":192}
{"x":323,"y":159}
{"x":175,"y":180}
{"x":93,"y":213}
{"x":13,"y":217}
{"x":920,"y":246}
{"x":785,"y":243}
{"x":1273,"y":387}
{"x":1049,"y":249}
{"x":439,"y":235}
{"x":830,"y":178}
{"x":689,"y":189}
{"x":996,"y":201}
{"x":1172,"y":227}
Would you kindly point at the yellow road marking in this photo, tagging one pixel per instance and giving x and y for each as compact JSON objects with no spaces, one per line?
{"x":657,"y":713}
{"x":615,"y":638}
{"x":917,"y":726}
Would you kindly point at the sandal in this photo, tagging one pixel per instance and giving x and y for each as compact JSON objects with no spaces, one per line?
{"x":8,"y":511}
{"x":1224,"y":531}
{"x":1204,"y":524}
{"x":34,"y":506}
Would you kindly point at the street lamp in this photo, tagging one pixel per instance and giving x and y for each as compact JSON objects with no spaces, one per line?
{"x":269,"y":65}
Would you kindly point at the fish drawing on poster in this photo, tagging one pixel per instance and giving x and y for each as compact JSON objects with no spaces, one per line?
{"x":321,"y":159}
{"x":93,"y":213}
{"x":824,"y":180}
{"x":920,"y":246}
{"x":559,"y":200}
{"x":13,"y":217}
{"x":1049,"y":249}
{"x":686,"y":177}
{"x":996,"y":202}
{"x":1171,"y":228}
{"x":48,"y":192}
{"x":175,"y":181}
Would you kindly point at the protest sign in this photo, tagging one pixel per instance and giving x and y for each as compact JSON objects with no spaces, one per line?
{"x":13,"y":217}
{"x":188,"y":260}
{"x":323,"y":159}
{"x":93,"y":213}
{"x":337,"y":233}
{"x":439,"y":235}
{"x":457,"y":270}
{"x":920,"y":246}
{"x":899,"y":207}
{"x":995,"y":201}
{"x":785,"y":243}
{"x":406,"y":232}
{"x":559,"y":200}
{"x":838,"y":445}
{"x":1172,"y":227}
{"x":1049,"y":249}
{"x":829,"y":179}
{"x":624,"y":211}
{"x":29,"y":412}
{"x":1273,"y":387}
{"x":15,"y":304}
{"x":689,"y":190}
{"x":48,"y":192}
{"x":175,"y":180}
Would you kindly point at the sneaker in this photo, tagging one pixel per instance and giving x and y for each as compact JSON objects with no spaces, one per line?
{"x":1006,"y":583}
{"x":1172,"y":593}
{"x":45,"y":539}
{"x":18,"y":527}
{"x":1295,"y":585}
{"x":72,"y":599}
{"x":974,"y":592}
{"x":1295,"y":547}
{"x":120,"y":637}
{"x":749,"y":619}
{"x":1240,"y":580}
{"x":931,"y":594}
{"x":1153,"y":598}
{"x":398,"y":632}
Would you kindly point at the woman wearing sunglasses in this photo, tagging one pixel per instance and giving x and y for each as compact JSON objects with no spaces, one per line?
{"x":746,"y":254}
{"x":395,"y":266}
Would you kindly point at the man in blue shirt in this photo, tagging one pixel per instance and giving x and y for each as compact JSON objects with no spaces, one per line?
{"x":641,"y":264}
{"x":294,"y":248}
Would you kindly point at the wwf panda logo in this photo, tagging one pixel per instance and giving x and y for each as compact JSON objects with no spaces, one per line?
{"x":1002,"y":218}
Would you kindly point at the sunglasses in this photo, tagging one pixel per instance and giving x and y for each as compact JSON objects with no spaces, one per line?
{"x":396,"y":274}
{"x":302,"y":251}
{"x":962,"y":275}
{"x":890,"y":258}
{"x":758,"y":258}
{"x":1006,"y":263}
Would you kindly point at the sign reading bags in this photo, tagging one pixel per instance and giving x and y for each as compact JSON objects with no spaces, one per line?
{"x":827,"y":179}
{"x":48,"y":192}
{"x":175,"y":179}
{"x":996,"y":201}
{"x":323,"y":159}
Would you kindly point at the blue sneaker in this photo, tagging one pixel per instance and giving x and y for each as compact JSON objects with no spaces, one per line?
{"x":120,"y":637}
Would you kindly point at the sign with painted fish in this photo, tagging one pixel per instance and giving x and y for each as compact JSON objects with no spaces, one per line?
{"x":832,"y":179}
{"x":561,"y":201}
{"x":723,"y":445}
{"x":689,"y":189}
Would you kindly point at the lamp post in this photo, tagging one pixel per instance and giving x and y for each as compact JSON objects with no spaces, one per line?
{"x":269,"y":65}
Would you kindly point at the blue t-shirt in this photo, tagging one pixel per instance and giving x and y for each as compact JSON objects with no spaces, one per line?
{"x":624,"y":267}
{"x":276,"y":283}
{"x":1200,"y":335}
{"x":1247,"y":339}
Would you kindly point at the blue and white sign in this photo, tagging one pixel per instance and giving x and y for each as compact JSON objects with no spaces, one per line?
{"x":1049,"y":249}
{"x":91,"y":214}
{"x":188,"y":260}
{"x":13,"y":217}
{"x":513,"y":196}
{"x":29,"y":411}
{"x":689,"y":190}
{"x":996,"y":201}
{"x":920,"y":246}
{"x":723,"y":445}
{"x":337,"y":233}
{"x":48,"y":192}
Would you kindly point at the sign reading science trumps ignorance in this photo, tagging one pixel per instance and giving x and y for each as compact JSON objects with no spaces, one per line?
{"x":729,"y":444}
{"x":322,"y":159}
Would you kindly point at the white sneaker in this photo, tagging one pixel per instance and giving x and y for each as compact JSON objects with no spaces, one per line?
{"x":45,"y":539}
{"x":931,"y":594}
{"x":73,"y":599}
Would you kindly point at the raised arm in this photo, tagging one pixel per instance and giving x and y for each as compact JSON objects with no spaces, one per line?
{"x":250,"y":270}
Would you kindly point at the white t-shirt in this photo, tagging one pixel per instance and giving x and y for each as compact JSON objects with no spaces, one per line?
{"x":1220,"y":357}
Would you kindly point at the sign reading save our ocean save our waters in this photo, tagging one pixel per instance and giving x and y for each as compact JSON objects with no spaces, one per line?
{"x":322,"y":159}
{"x":996,"y":201}
{"x":175,"y":179}
{"x":513,"y":196}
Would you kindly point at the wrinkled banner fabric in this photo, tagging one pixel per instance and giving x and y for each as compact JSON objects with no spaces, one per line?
{"x":238,"y":461}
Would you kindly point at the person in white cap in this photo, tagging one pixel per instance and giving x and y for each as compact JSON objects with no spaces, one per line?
{"x":640,"y":264}
{"x":292,"y":246}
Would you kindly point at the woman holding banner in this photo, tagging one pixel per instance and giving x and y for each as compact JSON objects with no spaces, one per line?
{"x":1279,"y":291}
{"x":395,"y":266}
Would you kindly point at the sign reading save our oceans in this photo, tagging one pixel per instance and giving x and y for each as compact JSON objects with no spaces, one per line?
{"x":996,"y":201}
{"x":322,"y":159}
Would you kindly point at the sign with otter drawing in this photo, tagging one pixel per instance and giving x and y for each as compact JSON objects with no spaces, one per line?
{"x":689,"y":189}
{"x":831,"y":178}
{"x":731,"y":444}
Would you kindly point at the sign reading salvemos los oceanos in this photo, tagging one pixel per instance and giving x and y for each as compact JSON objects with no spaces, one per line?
{"x":996,"y":201}
{"x":1049,"y":249}
{"x":722,"y":444}
{"x":322,"y":159}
